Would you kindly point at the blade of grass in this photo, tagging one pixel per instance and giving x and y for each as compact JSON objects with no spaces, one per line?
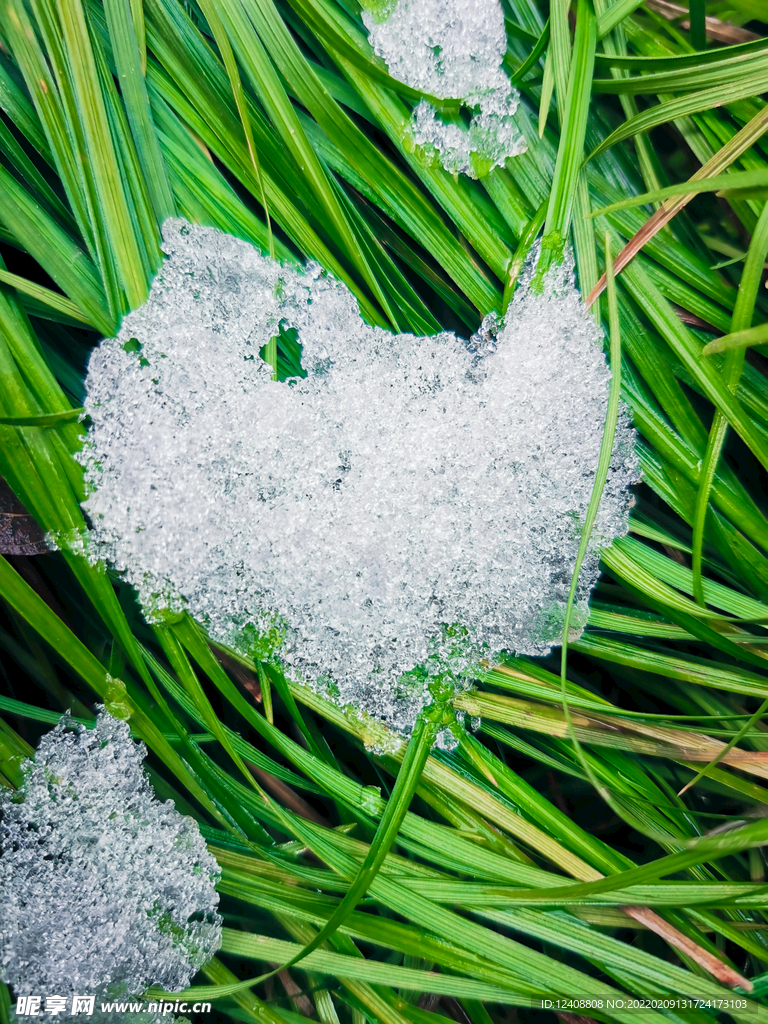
{"x":687,"y":349}
{"x":750,"y":836}
{"x":44,"y":621}
{"x":698,"y":25}
{"x":50,"y":298}
{"x":744,"y":139}
{"x":24,"y":167}
{"x":101,"y":153}
{"x":54,"y":250}
{"x":533,"y":57}
{"x":502,"y":950}
{"x":53,"y":419}
{"x":615,"y":14}
{"x":547,"y":89}
{"x":417,"y":752}
{"x":742,"y":318}
{"x":61,"y":142}
{"x":222,"y":41}
{"x":125,"y":21}
{"x":16,"y":104}
{"x":733,"y":90}
{"x":570,"y":153}
{"x":734,"y":179}
{"x":338,"y":33}
{"x":203,"y":98}
{"x":737,"y":339}
{"x":527,"y":240}
{"x":263,"y":75}
{"x":262,"y":947}
{"x":682,"y":79}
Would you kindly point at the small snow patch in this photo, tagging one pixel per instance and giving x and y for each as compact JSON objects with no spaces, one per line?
{"x":105,"y":890}
{"x":453,"y":49}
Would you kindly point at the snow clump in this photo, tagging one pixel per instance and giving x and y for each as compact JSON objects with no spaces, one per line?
{"x":105,"y":890}
{"x":453,"y":49}
{"x":411,"y":507}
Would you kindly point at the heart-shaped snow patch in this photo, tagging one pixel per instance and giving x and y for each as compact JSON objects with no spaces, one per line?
{"x":413,"y":504}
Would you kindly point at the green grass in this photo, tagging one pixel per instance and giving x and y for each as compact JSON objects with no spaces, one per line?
{"x":410,"y":886}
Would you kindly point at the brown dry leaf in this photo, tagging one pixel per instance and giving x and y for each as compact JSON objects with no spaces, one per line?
{"x":19,"y":531}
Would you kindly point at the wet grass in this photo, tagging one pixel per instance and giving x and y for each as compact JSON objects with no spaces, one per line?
{"x":469,"y":884}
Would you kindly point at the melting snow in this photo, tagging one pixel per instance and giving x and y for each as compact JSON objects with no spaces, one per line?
{"x":453,"y":49}
{"x":104,"y":889}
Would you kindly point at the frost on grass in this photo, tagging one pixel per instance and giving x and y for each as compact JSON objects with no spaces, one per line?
{"x":452,"y":49}
{"x":104,"y":889}
{"x":413,"y":505}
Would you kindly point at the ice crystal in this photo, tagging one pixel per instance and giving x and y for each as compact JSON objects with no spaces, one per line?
{"x":453,"y":49}
{"x":413,"y":506}
{"x":104,"y":889}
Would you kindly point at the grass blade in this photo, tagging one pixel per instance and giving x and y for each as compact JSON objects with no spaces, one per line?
{"x":730,"y":152}
{"x":734,"y":362}
{"x":124,"y":18}
{"x":570,"y":153}
{"x":737,"y":339}
{"x":45,"y":295}
{"x":417,"y":752}
{"x":102,"y":156}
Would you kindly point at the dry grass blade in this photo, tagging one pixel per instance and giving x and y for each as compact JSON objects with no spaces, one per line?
{"x":720,"y":31}
{"x":731,"y":151}
{"x":295,"y":992}
{"x":725,"y":974}
{"x":288,"y":795}
{"x":610,"y":731}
